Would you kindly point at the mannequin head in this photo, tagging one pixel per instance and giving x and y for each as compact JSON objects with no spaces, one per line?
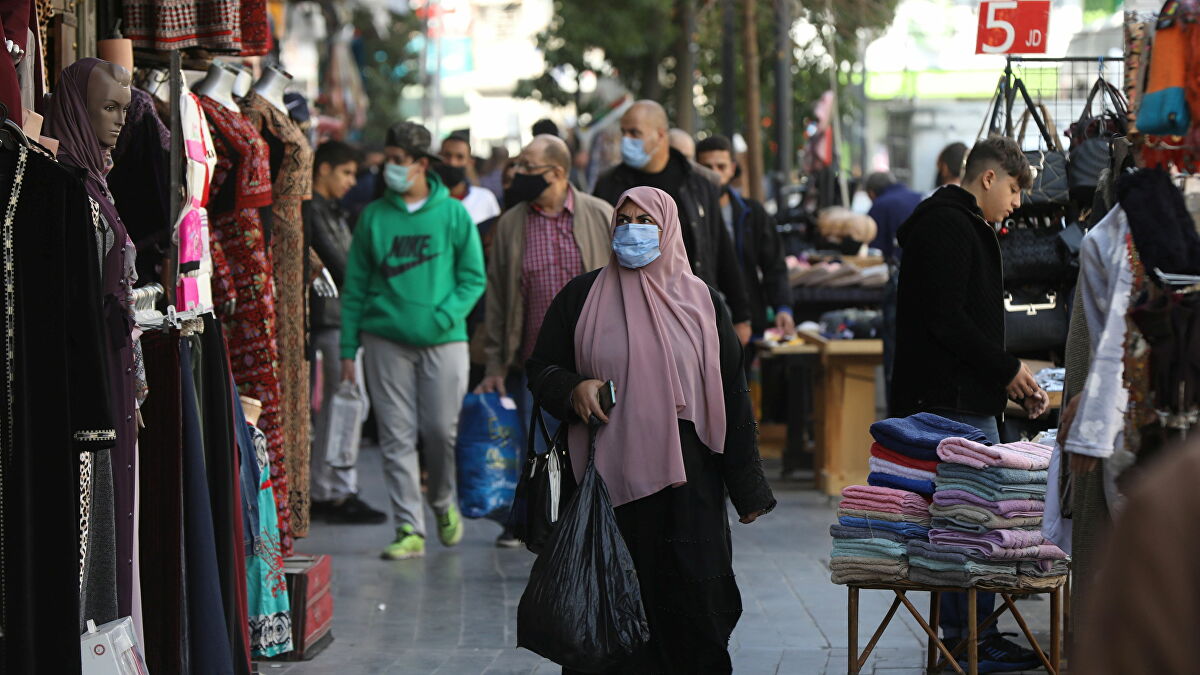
{"x":108,"y":96}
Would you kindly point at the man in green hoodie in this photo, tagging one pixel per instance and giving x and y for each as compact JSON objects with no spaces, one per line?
{"x":414,"y":273}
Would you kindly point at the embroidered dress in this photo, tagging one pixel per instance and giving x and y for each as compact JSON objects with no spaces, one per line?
{"x":164,"y":25}
{"x":241,"y":185}
{"x":270,"y":616}
{"x":291,"y":167}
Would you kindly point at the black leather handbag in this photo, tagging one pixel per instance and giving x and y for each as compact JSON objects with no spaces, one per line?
{"x":1091,"y":140}
{"x":1035,"y":320}
{"x":545,"y":485}
{"x":1050,"y":181}
{"x":1031,"y":253}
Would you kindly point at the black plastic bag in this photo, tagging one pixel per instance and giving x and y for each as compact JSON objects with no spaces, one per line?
{"x":582,"y":607}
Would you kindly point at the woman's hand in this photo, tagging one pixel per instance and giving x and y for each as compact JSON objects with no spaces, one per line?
{"x":585,"y":401}
{"x":348,"y":371}
{"x":750,"y":518}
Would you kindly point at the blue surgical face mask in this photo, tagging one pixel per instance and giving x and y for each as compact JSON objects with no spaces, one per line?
{"x":636,"y":244}
{"x":396,"y":177}
{"x":633,"y":152}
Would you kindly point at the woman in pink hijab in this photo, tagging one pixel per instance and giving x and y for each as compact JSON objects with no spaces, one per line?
{"x":681,"y":433}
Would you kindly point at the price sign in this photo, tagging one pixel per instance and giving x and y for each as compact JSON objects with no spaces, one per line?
{"x":1012,"y":27}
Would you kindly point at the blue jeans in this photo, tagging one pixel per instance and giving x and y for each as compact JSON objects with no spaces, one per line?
{"x":953,"y":619}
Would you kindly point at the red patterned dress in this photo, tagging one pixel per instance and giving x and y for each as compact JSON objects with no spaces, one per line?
{"x":241,"y":186}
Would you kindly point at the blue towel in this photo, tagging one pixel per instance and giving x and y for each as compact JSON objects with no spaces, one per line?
{"x":993,"y":476}
{"x":868,"y":548}
{"x":921,"y":487}
{"x":917,"y":436}
{"x":909,"y":530}
{"x":991,"y":493}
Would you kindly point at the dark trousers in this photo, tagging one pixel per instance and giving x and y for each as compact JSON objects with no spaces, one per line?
{"x":953,"y":619}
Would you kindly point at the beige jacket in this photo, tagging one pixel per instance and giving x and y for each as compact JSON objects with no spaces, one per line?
{"x":504,"y":321}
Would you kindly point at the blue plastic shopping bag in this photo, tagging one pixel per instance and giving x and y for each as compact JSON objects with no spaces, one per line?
{"x":489,"y":442}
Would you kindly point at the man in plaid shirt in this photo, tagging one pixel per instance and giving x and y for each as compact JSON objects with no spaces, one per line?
{"x":551,"y":234}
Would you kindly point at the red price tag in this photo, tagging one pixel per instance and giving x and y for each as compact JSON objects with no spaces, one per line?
{"x":1013,"y":27}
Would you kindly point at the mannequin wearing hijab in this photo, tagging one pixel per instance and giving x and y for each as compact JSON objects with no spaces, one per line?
{"x":86,"y":115}
{"x":681,"y":434}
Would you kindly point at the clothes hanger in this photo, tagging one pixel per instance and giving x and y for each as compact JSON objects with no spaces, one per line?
{"x":11,"y":135}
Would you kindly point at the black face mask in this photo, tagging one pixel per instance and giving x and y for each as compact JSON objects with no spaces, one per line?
{"x":452,"y":176}
{"x":525,"y":188}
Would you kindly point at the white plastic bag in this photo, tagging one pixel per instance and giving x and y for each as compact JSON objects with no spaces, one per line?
{"x":346,"y":412}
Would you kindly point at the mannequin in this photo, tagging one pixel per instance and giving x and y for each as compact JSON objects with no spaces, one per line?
{"x":218,"y":85}
{"x":86,"y":114}
{"x":241,"y":88}
{"x":157,"y":83}
{"x":271,"y":86}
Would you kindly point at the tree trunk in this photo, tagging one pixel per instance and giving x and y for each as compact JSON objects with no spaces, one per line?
{"x":783,"y":89}
{"x":754,"y":157}
{"x":685,"y":66}
{"x":728,"y":68}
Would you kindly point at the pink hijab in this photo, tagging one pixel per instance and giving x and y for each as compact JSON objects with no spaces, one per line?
{"x":653,"y":332}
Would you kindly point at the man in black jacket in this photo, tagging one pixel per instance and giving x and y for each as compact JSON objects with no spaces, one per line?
{"x":755,"y":239}
{"x":648,"y":159}
{"x":334,"y":490}
{"x":950,"y":357}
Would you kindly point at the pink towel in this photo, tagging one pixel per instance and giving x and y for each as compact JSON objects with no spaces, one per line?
{"x":888,"y":500}
{"x":999,"y":544}
{"x":884,"y":466}
{"x":1019,"y":455}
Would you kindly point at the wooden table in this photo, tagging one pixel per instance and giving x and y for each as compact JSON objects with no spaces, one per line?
{"x":844,"y":405}
{"x":939,"y":654}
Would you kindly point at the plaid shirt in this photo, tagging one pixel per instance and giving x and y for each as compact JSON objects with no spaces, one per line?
{"x":552,"y":259}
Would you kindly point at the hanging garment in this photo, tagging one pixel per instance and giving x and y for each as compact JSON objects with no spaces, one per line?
{"x":140,"y":182}
{"x":192,"y":229}
{"x":208,"y":642}
{"x":163,"y":25}
{"x":270,"y":608}
{"x":256,"y":30}
{"x":161,"y":483}
{"x":291,"y":167}
{"x":241,"y":186}
{"x":55,"y":407}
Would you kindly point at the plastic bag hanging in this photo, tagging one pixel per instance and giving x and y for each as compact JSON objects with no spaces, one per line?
{"x":582,"y":607}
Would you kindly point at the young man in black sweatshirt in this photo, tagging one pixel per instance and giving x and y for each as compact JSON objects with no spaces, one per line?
{"x":950,"y":356}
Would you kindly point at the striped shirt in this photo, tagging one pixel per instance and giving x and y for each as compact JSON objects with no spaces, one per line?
{"x":552,"y":259}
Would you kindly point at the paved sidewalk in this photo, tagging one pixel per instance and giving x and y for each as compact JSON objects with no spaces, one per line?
{"x":454,"y":613}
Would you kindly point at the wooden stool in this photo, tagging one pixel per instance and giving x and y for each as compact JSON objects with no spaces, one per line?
{"x":935,"y":661}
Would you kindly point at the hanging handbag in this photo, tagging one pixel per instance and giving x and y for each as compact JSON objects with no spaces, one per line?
{"x":545,"y":484}
{"x":1163,"y":109}
{"x":1035,"y":320}
{"x":1050,"y":186}
{"x":1030,"y":253}
{"x":1091,"y":141}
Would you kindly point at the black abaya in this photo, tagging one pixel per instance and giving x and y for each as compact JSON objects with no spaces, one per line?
{"x":679,"y":537}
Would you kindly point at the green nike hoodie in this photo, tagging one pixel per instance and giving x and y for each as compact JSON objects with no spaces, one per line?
{"x":412,"y":278}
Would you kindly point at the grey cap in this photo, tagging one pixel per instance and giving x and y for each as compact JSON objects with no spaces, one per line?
{"x":411,"y":137}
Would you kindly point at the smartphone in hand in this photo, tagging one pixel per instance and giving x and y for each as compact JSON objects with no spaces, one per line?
{"x":607,"y":396}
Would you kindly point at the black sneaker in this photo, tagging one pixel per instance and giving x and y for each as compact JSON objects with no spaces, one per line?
{"x":998,"y":655}
{"x":354,"y":511}
{"x":319,"y":510}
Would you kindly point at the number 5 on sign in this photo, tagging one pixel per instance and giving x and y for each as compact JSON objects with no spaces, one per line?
{"x":1013,"y":27}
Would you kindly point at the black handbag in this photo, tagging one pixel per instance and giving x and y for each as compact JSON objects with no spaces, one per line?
{"x":545,"y":485}
{"x":1091,"y":141}
{"x":1035,"y":320}
{"x":1050,"y":182}
{"x":1031,"y":253}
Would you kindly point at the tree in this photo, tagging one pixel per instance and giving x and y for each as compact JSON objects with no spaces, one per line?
{"x":389,"y":64}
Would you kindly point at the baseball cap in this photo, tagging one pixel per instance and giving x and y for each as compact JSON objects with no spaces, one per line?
{"x":412,"y":138}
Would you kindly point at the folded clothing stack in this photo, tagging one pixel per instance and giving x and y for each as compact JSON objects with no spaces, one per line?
{"x":871,"y":535}
{"x":937,"y":565}
{"x":988,"y":507}
{"x":904,"y":455}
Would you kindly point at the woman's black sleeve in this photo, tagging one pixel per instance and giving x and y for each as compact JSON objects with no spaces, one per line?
{"x":550,"y":370}
{"x":740,"y":463}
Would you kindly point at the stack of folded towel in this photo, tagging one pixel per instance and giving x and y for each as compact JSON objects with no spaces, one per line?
{"x":904,"y":455}
{"x":939,"y":565}
{"x":871,"y":536}
{"x":988,"y":508}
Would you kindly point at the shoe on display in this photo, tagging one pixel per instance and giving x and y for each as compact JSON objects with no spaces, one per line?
{"x":450,"y":526}
{"x":354,"y":511}
{"x":408,"y":545}
{"x":999,"y":655}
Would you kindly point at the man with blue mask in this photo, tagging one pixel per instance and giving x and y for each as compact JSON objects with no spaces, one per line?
{"x":551,"y":234}
{"x":414,"y":272}
{"x":649,"y":160}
